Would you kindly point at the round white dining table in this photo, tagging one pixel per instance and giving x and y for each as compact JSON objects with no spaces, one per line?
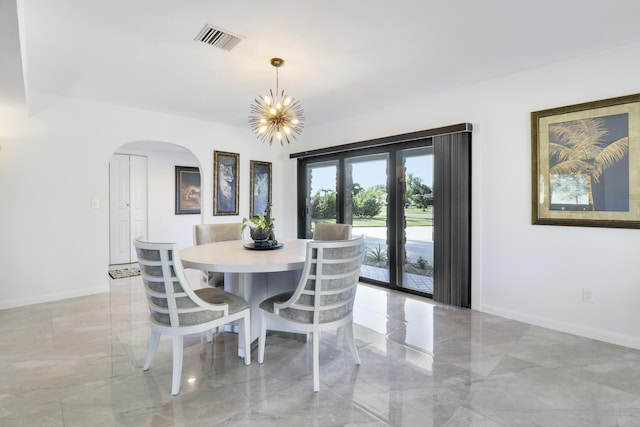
{"x":253,"y":274}
{"x":232,"y":257}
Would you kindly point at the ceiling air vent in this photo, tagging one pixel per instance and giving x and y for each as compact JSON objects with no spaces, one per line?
{"x":217,"y":37}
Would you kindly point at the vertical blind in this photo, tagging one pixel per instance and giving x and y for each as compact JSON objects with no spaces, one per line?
{"x":452,"y":214}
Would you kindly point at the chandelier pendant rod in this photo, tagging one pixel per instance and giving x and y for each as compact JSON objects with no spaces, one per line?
{"x":277,"y":83}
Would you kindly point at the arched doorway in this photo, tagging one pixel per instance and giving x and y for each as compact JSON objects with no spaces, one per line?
{"x":142,"y":197}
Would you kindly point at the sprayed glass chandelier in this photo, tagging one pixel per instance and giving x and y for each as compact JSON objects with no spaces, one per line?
{"x":277,"y":117}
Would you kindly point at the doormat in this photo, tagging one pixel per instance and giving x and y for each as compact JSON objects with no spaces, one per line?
{"x":125,"y":272}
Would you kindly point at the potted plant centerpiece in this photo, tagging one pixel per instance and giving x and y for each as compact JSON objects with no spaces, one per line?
{"x":261,"y":229}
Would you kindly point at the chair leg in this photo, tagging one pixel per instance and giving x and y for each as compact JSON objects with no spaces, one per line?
{"x":315,"y":337}
{"x":154,"y":340}
{"x":210,"y":335}
{"x":263,"y":337}
{"x":351,"y":341}
{"x":178,"y":347}
{"x":245,"y":335}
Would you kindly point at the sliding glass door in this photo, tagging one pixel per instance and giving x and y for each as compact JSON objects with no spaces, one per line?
{"x":410,"y":194}
{"x":321,"y":189}
{"x":415,"y":220}
{"x":385,"y":194}
{"x":365,"y":208}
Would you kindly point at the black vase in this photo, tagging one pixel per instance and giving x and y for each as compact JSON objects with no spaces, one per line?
{"x":261,"y":234}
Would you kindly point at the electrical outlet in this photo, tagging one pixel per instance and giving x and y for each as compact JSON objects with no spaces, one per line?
{"x":587,"y":295}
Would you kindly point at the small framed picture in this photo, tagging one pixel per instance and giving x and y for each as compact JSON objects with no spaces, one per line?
{"x":187,"y":190}
{"x":586,"y":164}
{"x":225,"y":183}
{"x":260,"y":187}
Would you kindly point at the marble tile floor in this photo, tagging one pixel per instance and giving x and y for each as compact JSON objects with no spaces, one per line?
{"x":78,"y":362}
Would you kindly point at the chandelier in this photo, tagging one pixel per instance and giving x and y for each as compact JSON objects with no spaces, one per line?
{"x":276,"y":117}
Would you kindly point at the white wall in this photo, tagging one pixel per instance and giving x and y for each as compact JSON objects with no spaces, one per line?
{"x":55,"y":161}
{"x":530,"y":273}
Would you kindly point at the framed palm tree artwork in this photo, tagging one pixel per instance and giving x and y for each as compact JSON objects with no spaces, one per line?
{"x":586,"y":164}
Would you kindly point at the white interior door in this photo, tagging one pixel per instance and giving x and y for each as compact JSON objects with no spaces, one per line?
{"x":127,"y":205}
{"x":138,"y":198}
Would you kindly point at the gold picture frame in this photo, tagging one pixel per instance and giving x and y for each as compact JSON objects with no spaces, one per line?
{"x":586,"y":164}
{"x":260,"y":193}
{"x":187,"y":190}
{"x":226,"y":185}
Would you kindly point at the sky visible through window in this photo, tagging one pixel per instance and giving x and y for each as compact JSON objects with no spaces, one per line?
{"x":368,"y":174}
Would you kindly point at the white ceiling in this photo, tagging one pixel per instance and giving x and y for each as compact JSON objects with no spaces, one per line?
{"x":341,"y":56}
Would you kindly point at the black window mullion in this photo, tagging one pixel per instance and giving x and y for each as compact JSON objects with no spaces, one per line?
{"x":393,"y":180}
{"x":341,"y":190}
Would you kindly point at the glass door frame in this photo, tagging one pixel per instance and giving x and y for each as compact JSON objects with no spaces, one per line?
{"x":395,"y":201}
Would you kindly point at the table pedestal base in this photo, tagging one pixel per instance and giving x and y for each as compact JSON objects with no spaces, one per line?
{"x":255,"y":288}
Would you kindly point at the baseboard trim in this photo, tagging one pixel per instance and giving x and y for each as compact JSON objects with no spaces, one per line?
{"x":57,"y":296}
{"x":570,"y":328}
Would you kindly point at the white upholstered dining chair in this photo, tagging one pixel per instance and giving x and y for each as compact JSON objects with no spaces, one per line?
{"x":323,"y":299}
{"x":178,"y":310}
{"x":324,"y":231}
{"x":209,"y":233}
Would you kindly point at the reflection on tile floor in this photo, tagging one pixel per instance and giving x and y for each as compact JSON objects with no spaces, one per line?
{"x":78,"y":362}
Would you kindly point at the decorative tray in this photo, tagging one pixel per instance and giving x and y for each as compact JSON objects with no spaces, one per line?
{"x":253,"y":246}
